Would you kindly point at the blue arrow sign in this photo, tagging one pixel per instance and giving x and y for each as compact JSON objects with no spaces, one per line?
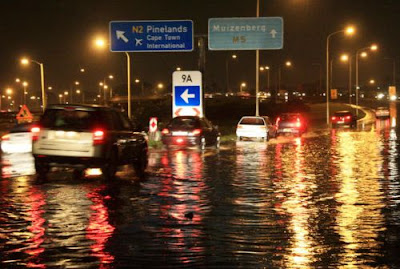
{"x":159,"y":36}
{"x":187,"y":96}
{"x":245,"y":33}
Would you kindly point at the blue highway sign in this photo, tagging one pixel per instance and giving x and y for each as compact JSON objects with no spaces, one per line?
{"x":158,"y":36}
{"x":245,"y":33}
{"x":187,"y":95}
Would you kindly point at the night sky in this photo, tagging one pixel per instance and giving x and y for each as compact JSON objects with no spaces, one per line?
{"x":59,"y":33}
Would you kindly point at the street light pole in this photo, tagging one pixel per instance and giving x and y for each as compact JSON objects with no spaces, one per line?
{"x":128,"y":67}
{"x":257,"y":68}
{"x":348,"y":30}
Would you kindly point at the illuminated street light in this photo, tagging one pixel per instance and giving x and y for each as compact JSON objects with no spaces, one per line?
{"x":287,"y":64}
{"x":242,"y":85}
{"x":60,"y":96}
{"x":372,"y":81}
{"x":233,"y":56}
{"x":348,"y":31}
{"x":26,"y":61}
{"x":361,"y":52}
{"x":100,"y":43}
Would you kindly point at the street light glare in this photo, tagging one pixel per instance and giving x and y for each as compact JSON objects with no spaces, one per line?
{"x":350,"y":30}
{"x":364,"y":54}
{"x":234,"y":56}
{"x":344,"y":58}
{"x":24,"y":61}
{"x":288,"y":63}
{"x":100,"y":42}
{"x":374,"y":47}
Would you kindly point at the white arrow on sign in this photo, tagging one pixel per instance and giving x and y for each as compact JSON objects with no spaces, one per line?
{"x":185,"y":96}
{"x":120,"y":35}
{"x":273,"y":33}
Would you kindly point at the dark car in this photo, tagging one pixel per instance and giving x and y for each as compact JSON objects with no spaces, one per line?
{"x":87,"y":136}
{"x":291,"y":123}
{"x":344,"y":118}
{"x":190,"y":131}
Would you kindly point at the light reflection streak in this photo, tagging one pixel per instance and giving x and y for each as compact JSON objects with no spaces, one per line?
{"x":300,"y":209}
{"x":359,"y":219}
{"x":182,"y":191}
{"x":99,"y":229}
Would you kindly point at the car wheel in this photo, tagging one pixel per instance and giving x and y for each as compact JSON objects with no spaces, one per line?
{"x":202,"y":144}
{"x":78,"y":174}
{"x":110,"y":167}
{"x":140,"y":164}
{"x":41,"y":170}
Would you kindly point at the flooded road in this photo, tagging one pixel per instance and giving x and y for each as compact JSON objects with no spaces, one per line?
{"x":329,"y":199}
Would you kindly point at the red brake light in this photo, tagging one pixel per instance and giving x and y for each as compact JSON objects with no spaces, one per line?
{"x":278,"y":120}
{"x":165,"y":131}
{"x":35,"y":133}
{"x":196,"y":132}
{"x":333,"y":118}
{"x":5,"y":137}
{"x":348,"y":117}
{"x":98,"y":137}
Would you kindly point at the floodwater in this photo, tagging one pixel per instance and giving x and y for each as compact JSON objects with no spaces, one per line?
{"x":329,"y":199}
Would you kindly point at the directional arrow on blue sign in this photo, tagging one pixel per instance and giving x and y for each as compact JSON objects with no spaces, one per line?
{"x":187,"y":95}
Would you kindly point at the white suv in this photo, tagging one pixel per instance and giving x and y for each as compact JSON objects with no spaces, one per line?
{"x":87,"y":136}
{"x":255,"y":127}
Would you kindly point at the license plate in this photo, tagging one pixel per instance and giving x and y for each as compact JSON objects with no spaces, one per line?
{"x":179,"y":133}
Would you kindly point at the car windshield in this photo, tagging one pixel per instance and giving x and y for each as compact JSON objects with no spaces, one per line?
{"x":71,"y":119}
{"x":184,"y":123}
{"x":252,"y":121}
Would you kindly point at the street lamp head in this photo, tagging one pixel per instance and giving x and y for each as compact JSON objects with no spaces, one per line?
{"x":24,"y":61}
{"x":137,"y":80}
{"x":101,"y":83}
{"x":76,"y":82}
{"x":17,"y":80}
{"x":160,"y":85}
{"x":24,"y":83}
{"x":267,"y":67}
{"x":65,"y":93}
{"x":9,"y":91}
{"x":288,"y":63}
{"x":364,"y":54}
{"x":82,"y":70}
{"x":371,"y":81}
{"x":99,"y":42}
{"x":350,"y":30}
{"x":110,"y":76}
{"x":374,"y":47}
{"x":344,"y":57}
{"x":262,"y":68}
{"x":234,"y":56}
{"x":243,"y":84}
{"x":78,"y":91}
{"x":106,"y":87}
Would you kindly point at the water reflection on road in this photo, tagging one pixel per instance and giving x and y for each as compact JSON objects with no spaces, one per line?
{"x":325,"y":200}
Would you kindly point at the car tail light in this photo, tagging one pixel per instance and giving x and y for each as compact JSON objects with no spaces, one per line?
{"x":165,"y":131}
{"x":179,"y":140}
{"x":35,"y":133}
{"x":5,"y":137}
{"x":98,"y":137}
{"x":347,"y":117}
{"x":298,"y":123}
{"x":239,"y":126}
{"x":278,"y":120}
{"x":333,"y":118}
{"x":196,"y":132}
